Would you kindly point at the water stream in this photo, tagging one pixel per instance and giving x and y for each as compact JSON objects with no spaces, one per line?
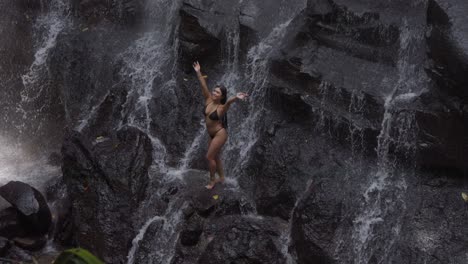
{"x":384,"y":198}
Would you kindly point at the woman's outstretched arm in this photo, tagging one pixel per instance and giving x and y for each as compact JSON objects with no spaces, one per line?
{"x":225,"y":107}
{"x":205,"y":91}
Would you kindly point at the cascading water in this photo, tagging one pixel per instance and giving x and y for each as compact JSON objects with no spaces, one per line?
{"x":18,"y":159}
{"x":163,"y":246}
{"x":384,"y":203}
{"x":245,"y":129}
{"x":146,"y":64}
{"x":145,"y":61}
{"x":46,"y":29}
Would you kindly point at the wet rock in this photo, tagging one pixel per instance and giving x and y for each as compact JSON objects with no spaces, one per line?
{"x":124,"y":12}
{"x":315,"y":221}
{"x":107,"y":180}
{"x":242,"y":241}
{"x":145,"y":252}
{"x":437,"y":219}
{"x":4,"y":245}
{"x":444,"y":120}
{"x":441,"y":131}
{"x":10,"y":223}
{"x":30,"y":243}
{"x":82,"y":56}
{"x":34,"y":211}
{"x":196,"y":41}
{"x":218,"y":201}
{"x":60,"y":205}
{"x":341,"y":72}
{"x":448,"y":44}
{"x":64,"y":229}
{"x":18,"y":254}
{"x":191,"y":232}
{"x":234,"y":239}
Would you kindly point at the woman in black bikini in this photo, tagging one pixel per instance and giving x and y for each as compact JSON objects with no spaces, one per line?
{"x":216,"y":106}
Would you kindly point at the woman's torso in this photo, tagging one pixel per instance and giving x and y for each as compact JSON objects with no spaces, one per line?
{"x":212,"y":118}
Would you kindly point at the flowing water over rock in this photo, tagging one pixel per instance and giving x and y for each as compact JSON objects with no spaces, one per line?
{"x":26,"y":147}
{"x":340,"y":155}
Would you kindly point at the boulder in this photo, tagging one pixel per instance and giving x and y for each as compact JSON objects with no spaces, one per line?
{"x":4,"y":245}
{"x":107,"y":179}
{"x":30,"y":243}
{"x":232,"y":239}
{"x":10,"y":223}
{"x":34,"y":212}
{"x":19,"y":254}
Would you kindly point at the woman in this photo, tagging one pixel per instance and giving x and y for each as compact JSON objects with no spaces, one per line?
{"x":216,"y":106}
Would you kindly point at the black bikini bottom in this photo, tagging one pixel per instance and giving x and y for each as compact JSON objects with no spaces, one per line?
{"x":212,"y":136}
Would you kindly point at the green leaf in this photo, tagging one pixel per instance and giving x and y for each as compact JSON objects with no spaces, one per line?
{"x":77,"y":256}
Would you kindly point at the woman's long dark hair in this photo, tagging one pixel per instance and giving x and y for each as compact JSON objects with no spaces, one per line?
{"x":223,"y":101}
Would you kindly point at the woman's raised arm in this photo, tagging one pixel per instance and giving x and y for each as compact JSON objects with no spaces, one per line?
{"x":205,"y":91}
{"x":225,"y":107}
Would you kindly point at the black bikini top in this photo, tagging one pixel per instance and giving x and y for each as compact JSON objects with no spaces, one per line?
{"x":214,"y":115}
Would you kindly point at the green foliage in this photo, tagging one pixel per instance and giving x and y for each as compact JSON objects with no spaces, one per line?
{"x":77,"y":256}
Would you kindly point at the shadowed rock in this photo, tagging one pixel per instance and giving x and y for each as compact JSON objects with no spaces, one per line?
{"x":107,"y":179}
{"x":34,"y":211}
{"x":10,"y":225}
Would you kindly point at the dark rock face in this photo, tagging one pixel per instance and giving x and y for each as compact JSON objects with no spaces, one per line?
{"x":33,"y":209}
{"x":234,"y":239}
{"x":448,"y":45}
{"x":445,"y":121}
{"x":124,"y":12}
{"x":194,"y":216}
{"x":57,"y":195}
{"x":352,"y":148}
{"x":4,"y":246}
{"x":10,"y":225}
{"x":216,"y":227}
{"x":31,"y":244}
{"x":19,"y":254}
{"x":114,"y":171}
{"x":242,"y":240}
{"x":436,"y":220}
{"x":318,"y":92}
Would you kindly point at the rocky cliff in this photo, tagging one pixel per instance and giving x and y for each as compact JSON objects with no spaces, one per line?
{"x":351,"y":149}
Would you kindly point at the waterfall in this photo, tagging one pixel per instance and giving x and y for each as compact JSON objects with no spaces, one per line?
{"x":384,"y":204}
{"x":46,"y":29}
{"x":184,"y":163}
{"x":147,"y":61}
{"x":245,"y":131}
{"x":285,"y":238}
{"x":18,"y":160}
{"x":139,"y":237}
{"x":18,"y":164}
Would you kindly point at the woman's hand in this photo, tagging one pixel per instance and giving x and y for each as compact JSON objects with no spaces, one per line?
{"x":196,"y":66}
{"x":242,"y":96}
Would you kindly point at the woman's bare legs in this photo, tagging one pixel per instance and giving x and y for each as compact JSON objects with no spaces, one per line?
{"x":213,"y":150}
{"x":219,"y":168}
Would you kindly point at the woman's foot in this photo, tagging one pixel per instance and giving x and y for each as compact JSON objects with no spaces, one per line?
{"x":210,"y":185}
